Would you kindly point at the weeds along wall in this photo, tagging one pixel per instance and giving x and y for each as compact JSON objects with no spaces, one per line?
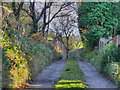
{"x":23,"y":62}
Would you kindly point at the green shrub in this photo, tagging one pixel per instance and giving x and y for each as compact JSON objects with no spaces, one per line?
{"x":106,"y":60}
{"x":107,"y":68}
{"x":41,"y":54}
{"x":110,"y":54}
{"x":24,"y":61}
{"x":15,"y":65}
{"x":114,"y":72}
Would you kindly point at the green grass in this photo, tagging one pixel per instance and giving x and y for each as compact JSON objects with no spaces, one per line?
{"x":72,"y":76}
{"x":72,"y":71}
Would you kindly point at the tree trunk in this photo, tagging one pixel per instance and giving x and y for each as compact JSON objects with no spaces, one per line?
{"x":48,"y":24}
{"x":35,"y":25}
{"x":44,"y":21}
{"x":34,"y":28}
{"x":34,"y":19}
{"x":67,"y":53}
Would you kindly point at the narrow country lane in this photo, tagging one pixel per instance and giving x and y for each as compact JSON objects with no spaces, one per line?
{"x":49,"y":75}
{"x":93,"y":77}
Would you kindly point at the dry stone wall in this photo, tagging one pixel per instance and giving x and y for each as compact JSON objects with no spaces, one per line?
{"x":103,"y":41}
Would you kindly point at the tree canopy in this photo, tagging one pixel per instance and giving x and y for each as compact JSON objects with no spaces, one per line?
{"x":99,"y":19}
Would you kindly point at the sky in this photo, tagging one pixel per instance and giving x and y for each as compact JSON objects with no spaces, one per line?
{"x":54,"y":9}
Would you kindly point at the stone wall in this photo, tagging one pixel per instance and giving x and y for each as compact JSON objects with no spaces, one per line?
{"x":103,"y":41}
{"x":118,"y":40}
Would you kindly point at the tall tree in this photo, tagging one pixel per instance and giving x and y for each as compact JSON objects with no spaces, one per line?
{"x":16,"y":23}
{"x":17,"y":7}
{"x":65,"y":30}
{"x":42,"y":15}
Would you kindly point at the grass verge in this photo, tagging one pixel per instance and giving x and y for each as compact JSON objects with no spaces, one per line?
{"x":72,"y":76}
